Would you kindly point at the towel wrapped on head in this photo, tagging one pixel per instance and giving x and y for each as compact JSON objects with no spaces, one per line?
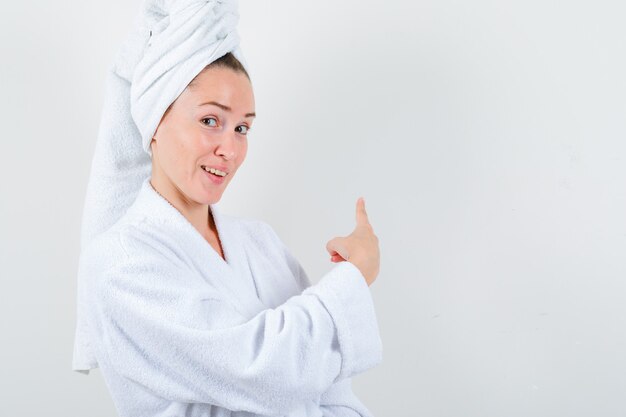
{"x":172,"y":41}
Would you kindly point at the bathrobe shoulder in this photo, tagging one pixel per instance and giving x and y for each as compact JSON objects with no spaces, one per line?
{"x":178,"y":330}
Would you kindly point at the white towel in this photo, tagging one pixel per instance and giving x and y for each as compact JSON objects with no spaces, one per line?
{"x":172,"y":41}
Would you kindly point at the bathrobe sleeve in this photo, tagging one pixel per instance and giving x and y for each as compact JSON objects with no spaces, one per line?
{"x":159,"y":329}
{"x":338,"y":400}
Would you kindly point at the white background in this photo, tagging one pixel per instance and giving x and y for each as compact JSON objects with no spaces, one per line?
{"x":487,"y":137}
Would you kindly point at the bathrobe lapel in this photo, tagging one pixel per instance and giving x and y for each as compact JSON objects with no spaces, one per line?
{"x":258,"y":276}
{"x":232,"y":276}
{"x":235,"y":272}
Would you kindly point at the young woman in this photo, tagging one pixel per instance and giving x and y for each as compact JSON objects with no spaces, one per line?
{"x":190,"y":312}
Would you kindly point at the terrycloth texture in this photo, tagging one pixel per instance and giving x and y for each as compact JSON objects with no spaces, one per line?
{"x":171,"y":42}
{"x":179,"y":331}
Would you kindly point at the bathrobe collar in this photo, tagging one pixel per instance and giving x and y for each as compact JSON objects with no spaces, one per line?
{"x":233,"y":275}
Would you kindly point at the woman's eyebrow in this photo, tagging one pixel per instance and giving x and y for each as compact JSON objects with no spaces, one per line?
{"x":225,"y":107}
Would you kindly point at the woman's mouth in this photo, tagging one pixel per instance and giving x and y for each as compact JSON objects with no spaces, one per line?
{"x":215,"y":175}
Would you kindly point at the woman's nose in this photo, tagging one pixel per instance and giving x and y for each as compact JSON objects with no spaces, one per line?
{"x":226,"y":146}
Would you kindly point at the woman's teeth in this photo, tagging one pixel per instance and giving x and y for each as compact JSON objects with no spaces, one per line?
{"x":214,"y":171}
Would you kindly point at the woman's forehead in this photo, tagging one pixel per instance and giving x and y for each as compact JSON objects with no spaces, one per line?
{"x":226,"y":89}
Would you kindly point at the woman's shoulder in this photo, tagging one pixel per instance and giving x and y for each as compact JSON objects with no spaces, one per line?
{"x":128,"y":256}
{"x":126,"y":241}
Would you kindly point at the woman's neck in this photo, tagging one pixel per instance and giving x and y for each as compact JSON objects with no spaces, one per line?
{"x":197,"y":214}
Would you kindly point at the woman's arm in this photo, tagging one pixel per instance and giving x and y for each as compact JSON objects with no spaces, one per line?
{"x":270,"y":364}
{"x":338,"y":400}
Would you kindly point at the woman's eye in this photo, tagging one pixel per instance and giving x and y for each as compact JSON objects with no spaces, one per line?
{"x":210,"y":118}
{"x":242,"y":129}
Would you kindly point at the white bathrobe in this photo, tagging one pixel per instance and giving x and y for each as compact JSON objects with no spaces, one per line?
{"x":178,"y":331}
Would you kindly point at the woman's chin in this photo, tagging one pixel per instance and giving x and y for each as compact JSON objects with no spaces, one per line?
{"x":210,"y":189}
{"x":207,"y":197}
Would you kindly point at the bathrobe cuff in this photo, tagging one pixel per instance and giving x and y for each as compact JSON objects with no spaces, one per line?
{"x":347,"y":297}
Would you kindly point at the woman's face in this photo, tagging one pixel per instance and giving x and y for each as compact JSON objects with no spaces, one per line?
{"x":205,"y":127}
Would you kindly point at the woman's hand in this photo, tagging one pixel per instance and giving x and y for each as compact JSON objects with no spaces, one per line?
{"x":360,"y":247}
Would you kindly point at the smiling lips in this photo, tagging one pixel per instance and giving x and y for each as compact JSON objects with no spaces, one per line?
{"x":220,"y":172}
{"x":217,"y":176}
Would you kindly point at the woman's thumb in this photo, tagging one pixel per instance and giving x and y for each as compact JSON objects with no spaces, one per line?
{"x":361,"y":214}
